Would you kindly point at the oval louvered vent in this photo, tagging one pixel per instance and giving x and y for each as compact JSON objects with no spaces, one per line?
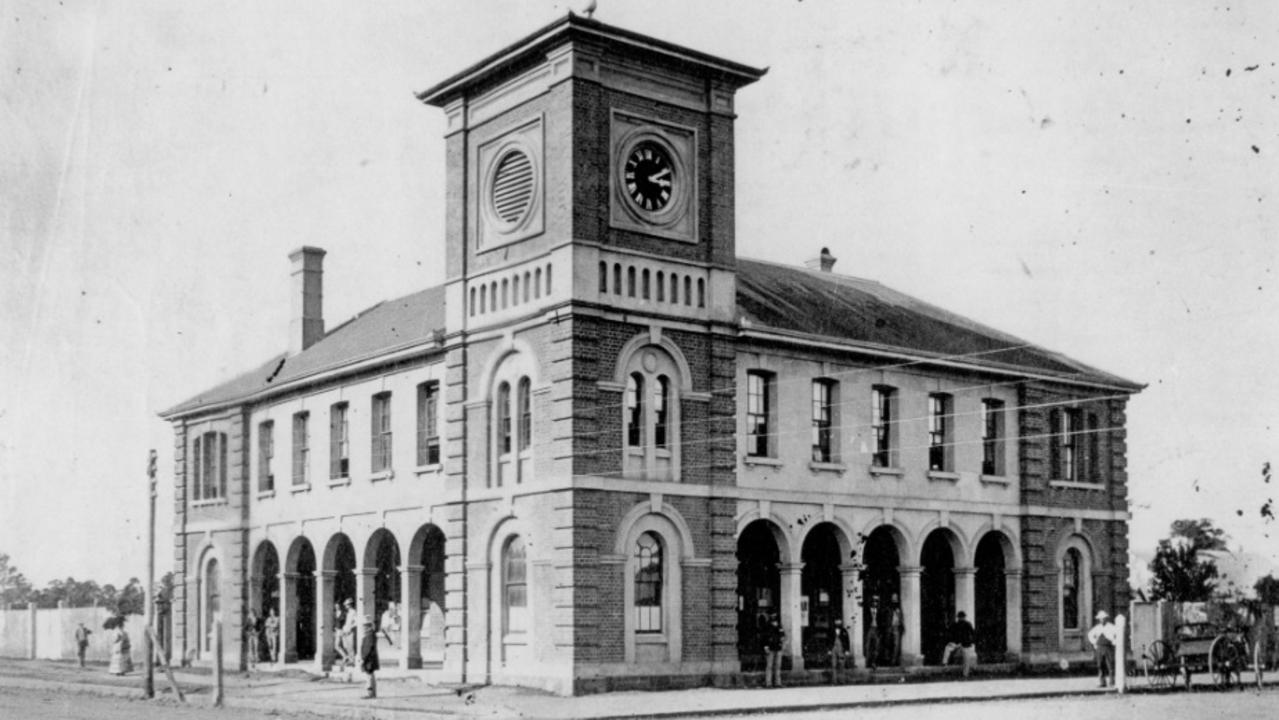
{"x":513,"y":187}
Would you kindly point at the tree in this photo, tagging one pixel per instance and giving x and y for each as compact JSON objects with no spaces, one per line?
{"x":1267,"y":589}
{"x":1179,"y":571}
{"x":14,"y":588}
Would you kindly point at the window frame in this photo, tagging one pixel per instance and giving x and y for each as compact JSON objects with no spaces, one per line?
{"x":883,"y":427}
{"x":515,"y":623}
{"x":993,"y":437}
{"x":339,"y":441}
{"x":760,"y":414}
{"x":648,"y":602}
{"x":941,"y":432}
{"x":823,"y":406}
{"x":382,"y":435}
{"x":266,"y":454}
{"x":428,"y":433}
{"x":301,"y":448}
{"x":208,"y":465}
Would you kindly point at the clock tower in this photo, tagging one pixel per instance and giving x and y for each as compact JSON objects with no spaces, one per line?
{"x":591,"y":314}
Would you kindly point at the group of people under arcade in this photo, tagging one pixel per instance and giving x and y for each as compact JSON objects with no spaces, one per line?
{"x":881,"y":642}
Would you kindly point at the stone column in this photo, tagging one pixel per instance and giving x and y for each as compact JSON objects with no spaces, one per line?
{"x":1012,"y":605}
{"x":851,"y":611}
{"x":365,"y":602}
{"x":288,"y":616}
{"x":409,"y":643}
{"x":324,"y":620}
{"x":788,"y":607}
{"x":966,"y":592}
{"x":909,"y":598}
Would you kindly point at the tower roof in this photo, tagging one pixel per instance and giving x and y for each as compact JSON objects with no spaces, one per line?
{"x":570,"y":28}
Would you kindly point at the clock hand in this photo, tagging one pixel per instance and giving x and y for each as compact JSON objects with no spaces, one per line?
{"x":657,"y":177}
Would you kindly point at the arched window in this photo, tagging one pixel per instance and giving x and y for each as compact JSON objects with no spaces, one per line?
{"x":527,"y":276}
{"x":502,"y":432}
{"x":603,"y":277}
{"x":537,"y":283}
{"x":548,"y":279}
{"x":661,"y":395}
{"x":674,"y":288}
{"x":635,"y":410}
{"x":212,"y":602}
{"x":701,"y":293}
{"x":648,"y":584}
{"x":645,"y":284}
{"x":651,"y":416}
{"x":688,"y":290}
{"x":515,"y":289}
{"x":472,"y":308}
{"x":1071,"y":586}
{"x":660,"y":284}
{"x":525,"y":434}
{"x":514,"y":587}
{"x":506,"y":287}
{"x":630,"y":281}
{"x":617,"y":278}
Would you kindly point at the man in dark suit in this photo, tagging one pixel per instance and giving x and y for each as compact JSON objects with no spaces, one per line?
{"x":368,"y":657}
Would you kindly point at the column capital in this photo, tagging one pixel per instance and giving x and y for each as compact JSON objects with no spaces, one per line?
{"x":790,"y":568}
{"x":412,"y":568}
{"x":1012,"y":572}
{"x":326,"y":574}
{"x":909,"y":570}
{"x":290,"y":575}
{"x":367,"y":572}
{"x":964,"y":571}
{"x":846,"y":568}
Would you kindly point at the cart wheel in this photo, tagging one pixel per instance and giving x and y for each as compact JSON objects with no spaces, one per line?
{"x":1224,"y":661}
{"x":1159,"y":664}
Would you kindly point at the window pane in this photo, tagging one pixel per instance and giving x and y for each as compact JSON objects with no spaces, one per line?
{"x":635,"y":410}
{"x":660,"y":395}
{"x":526,"y":414}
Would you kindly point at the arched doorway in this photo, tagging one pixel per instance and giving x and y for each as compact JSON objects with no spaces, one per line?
{"x":424,"y":618}
{"x":266,"y":580}
{"x":341,"y":560}
{"x":382,"y":555}
{"x":300,"y":642}
{"x":758,"y":590}
{"x":936,"y":595}
{"x":822,"y":586}
{"x":991,"y":599}
{"x":881,"y":585}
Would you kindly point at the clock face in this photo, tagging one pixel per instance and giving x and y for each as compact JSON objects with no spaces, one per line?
{"x":649,"y":176}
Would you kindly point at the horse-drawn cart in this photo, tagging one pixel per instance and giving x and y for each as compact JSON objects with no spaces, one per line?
{"x":1230,"y":642}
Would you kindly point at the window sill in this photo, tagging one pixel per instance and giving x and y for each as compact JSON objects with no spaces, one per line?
{"x":943,"y":476}
{"x":266,"y":494}
{"x":827,"y":467}
{"x":515,"y":638}
{"x":433,"y":469}
{"x":208,"y":502}
{"x":761,"y":460}
{"x":382,"y":475}
{"x":875,"y":471}
{"x":650,"y":638}
{"x":340,"y":481}
{"x":1076,"y":485}
{"x":304,"y":487}
{"x":995,"y":479}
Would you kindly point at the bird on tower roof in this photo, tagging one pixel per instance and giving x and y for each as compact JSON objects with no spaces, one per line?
{"x":589,"y":10}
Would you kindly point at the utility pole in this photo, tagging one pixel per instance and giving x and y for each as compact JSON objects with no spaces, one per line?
{"x":148,"y":678}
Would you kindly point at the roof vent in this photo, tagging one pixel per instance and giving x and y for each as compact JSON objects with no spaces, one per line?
{"x":823,"y":262}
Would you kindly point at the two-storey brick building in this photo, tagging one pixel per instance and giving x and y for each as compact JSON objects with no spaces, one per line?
{"x":606,"y":446}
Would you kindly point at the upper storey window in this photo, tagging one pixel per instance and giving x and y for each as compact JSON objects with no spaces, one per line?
{"x":883,"y":401}
{"x":759,"y":414}
{"x":649,"y":416}
{"x":512,"y":430}
{"x":339,"y":442}
{"x":941,"y":425}
{"x":266,"y":453}
{"x":992,"y":437}
{"x":208,"y":466}
{"x":381,"y":433}
{"x":428,"y":433}
{"x":301,"y":448}
{"x":1063,"y":455}
{"x":823,"y":410}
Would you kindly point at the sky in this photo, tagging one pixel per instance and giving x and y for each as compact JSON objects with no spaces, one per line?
{"x":1096,"y":178}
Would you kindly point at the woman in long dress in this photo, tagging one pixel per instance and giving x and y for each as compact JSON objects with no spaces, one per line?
{"x":121,"y":661}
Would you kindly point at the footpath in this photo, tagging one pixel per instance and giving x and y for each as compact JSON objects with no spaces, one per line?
{"x":406,"y":695}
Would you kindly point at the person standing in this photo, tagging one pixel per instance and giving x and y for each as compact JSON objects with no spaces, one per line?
{"x":121,"y":649}
{"x":272,"y":625}
{"x":389,"y":628}
{"x":82,"y":634}
{"x":774,"y":638}
{"x":252,"y":633}
{"x":895,"y":630}
{"x":961,"y":639}
{"x":1102,"y":639}
{"x":350,"y":624}
{"x":839,"y":651}
{"x":368,"y":657}
{"x":872,"y":635}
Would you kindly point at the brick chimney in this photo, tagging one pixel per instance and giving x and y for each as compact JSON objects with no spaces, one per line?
{"x":823,"y":262}
{"x":306,"y":324}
